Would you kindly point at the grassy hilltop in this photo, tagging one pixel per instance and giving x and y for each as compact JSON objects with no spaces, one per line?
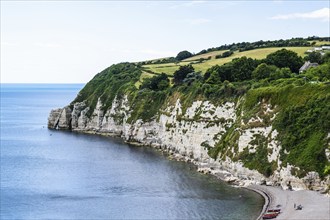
{"x":170,"y":68}
{"x":246,"y":75}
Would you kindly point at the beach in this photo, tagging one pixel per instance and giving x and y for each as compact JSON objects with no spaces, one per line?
{"x":314,"y":205}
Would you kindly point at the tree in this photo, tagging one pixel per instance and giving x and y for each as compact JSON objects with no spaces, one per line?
{"x":156,"y":83}
{"x":217,"y":74}
{"x":280,"y":73}
{"x":263,"y":71}
{"x":326,"y":57}
{"x":193,"y":76}
{"x":242,"y":68}
{"x":181,"y":74}
{"x":285,"y":58}
{"x":183,"y":55}
{"x":322,"y":72}
{"x":238,"y":69}
{"x":314,"y":57}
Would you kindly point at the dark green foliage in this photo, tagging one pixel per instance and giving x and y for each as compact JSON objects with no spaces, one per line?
{"x":258,"y":160}
{"x":191,"y":77}
{"x":145,"y":105}
{"x":238,"y":69}
{"x":326,"y":57}
{"x":212,"y":75}
{"x":107,"y":84}
{"x":225,"y":54}
{"x":320,"y":73}
{"x":160,"y":61}
{"x":303,"y":130}
{"x":302,"y":122}
{"x":270,"y":72}
{"x":206,"y":145}
{"x":181,"y":74}
{"x":228,"y":139}
{"x":156,"y":83}
{"x":183,"y":55}
{"x":243,"y":46}
{"x":285,"y":58}
{"x":189,"y":93}
{"x":165,"y":60}
{"x":242,"y":68}
{"x":314,"y":57}
{"x":224,"y":91}
{"x":280,"y":73}
{"x":263,"y":71}
{"x":300,"y":102}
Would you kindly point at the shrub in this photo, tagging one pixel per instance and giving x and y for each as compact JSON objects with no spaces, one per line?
{"x":183,"y":55}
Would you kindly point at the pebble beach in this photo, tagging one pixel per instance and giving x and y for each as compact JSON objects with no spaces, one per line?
{"x":314,"y":205}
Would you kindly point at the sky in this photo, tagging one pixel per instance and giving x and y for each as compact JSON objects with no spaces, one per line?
{"x":71,"y":41}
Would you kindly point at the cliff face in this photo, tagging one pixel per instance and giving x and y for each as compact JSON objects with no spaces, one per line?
{"x":218,"y":139}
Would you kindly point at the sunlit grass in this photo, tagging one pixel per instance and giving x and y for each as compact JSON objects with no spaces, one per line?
{"x":206,"y":55}
{"x":320,"y":43}
{"x":170,"y":68}
{"x":143,"y":76}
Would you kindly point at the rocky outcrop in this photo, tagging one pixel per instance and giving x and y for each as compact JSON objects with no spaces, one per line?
{"x":60,"y":118}
{"x":190,"y":134}
{"x":54,"y":117}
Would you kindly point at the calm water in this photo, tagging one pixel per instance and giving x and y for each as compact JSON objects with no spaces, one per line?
{"x":48,"y":174}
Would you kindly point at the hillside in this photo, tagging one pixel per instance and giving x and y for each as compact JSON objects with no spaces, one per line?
{"x":170,"y":68}
{"x":251,"y":114}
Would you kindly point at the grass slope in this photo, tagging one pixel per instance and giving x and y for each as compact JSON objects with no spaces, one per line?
{"x":206,"y":55}
{"x":170,"y":68}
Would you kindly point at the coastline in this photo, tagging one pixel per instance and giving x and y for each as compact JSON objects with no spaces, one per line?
{"x":315,"y":205}
{"x":267,"y":199}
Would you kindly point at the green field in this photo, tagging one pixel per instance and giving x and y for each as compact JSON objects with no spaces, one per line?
{"x":170,"y":68}
{"x":143,"y":76}
{"x":206,"y":55}
{"x":320,"y":43}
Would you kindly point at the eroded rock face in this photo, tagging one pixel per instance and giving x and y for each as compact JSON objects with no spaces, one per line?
{"x":189,"y":135}
{"x":54,"y":117}
{"x":65,"y":119}
{"x":60,"y":118}
{"x":76,"y":113}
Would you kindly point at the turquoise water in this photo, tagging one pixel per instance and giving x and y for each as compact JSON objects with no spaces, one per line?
{"x":47,"y":174}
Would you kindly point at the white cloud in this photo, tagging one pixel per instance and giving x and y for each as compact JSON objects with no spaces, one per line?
{"x":197,"y":21}
{"x":192,"y":3}
{"x":322,"y":14}
{"x":187,"y":4}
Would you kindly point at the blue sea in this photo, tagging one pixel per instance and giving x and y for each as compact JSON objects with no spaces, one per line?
{"x":48,"y":174}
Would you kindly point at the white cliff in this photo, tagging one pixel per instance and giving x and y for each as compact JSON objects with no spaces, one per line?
{"x":190,"y":134}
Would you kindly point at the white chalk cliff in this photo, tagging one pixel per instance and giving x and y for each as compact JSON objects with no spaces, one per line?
{"x":191,"y":134}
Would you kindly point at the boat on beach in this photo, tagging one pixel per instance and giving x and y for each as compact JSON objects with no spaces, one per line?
{"x":271,"y":213}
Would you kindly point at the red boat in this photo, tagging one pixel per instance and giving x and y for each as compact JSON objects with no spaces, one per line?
{"x":269,"y":215}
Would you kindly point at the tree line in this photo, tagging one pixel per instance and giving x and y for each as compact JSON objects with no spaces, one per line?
{"x":280,"y":64}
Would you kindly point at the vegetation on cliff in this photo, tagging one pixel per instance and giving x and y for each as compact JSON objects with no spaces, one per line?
{"x":301,"y":101}
{"x":115,"y":80}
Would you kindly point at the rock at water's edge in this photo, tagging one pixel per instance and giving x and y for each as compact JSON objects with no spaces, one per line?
{"x":60,"y":118}
{"x":54,"y":117}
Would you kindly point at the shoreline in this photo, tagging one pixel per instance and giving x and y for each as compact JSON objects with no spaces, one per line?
{"x":267,"y":200}
{"x":315,"y":205}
